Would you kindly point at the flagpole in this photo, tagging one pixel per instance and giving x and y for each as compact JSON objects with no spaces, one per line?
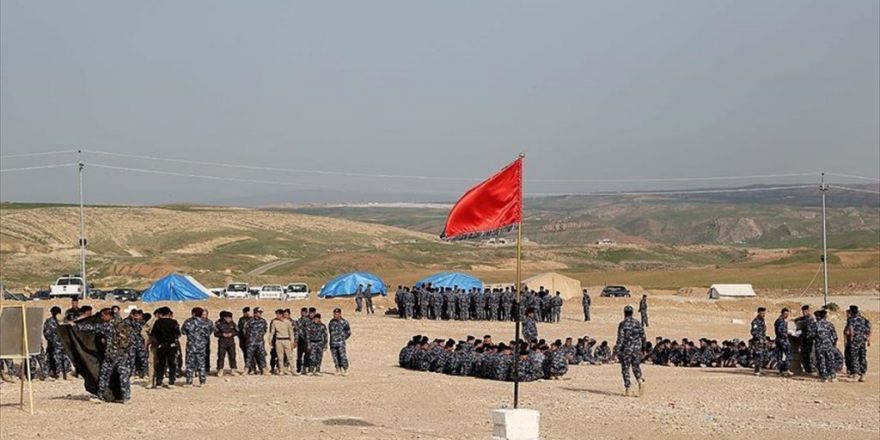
{"x":519,"y":238}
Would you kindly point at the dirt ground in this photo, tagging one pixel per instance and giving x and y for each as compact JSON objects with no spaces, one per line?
{"x":379,"y":400}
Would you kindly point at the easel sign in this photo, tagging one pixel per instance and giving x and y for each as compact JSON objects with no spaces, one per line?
{"x":20,"y":338}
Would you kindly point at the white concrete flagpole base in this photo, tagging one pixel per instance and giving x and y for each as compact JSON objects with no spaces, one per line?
{"x":516,"y":424}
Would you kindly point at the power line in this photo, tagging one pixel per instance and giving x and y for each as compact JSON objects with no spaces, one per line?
{"x":41,"y":167}
{"x":873,"y":179}
{"x":199,"y":176}
{"x":847,"y":188}
{"x":45,"y":153}
{"x":671,"y":179}
{"x":446,"y":178}
{"x":686,"y":192}
{"x":289,"y":170}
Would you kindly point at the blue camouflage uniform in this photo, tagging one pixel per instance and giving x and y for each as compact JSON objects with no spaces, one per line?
{"x":340,"y":331}
{"x":859,"y":328}
{"x":198,"y":333}
{"x":56,"y":356}
{"x":115,"y":356}
{"x":826,"y":345}
{"x":255,"y":333}
{"x":316,"y":333}
{"x":783,"y":346}
{"x":630,"y":340}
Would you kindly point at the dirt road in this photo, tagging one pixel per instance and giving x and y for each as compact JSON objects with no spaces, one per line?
{"x":378,"y":400}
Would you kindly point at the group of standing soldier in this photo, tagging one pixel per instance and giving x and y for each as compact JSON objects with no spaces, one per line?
{"x":425,"y":301}
{"x":818,"y":343}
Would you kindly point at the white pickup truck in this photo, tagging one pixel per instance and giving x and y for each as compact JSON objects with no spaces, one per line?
{"x":68,"y":286}
{"x":237,"y":290}
{"x":297,"y":291}
{"x":271,"y":291}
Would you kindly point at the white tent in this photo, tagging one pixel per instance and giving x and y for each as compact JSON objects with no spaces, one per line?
{"x":731,"y":291}
{"x":566,"y":286}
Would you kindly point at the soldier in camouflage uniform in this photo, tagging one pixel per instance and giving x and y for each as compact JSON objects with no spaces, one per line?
{"x":340,"y":331}
{"x":56,"y":356}
{"x":586,"y":302}
{"x":506,"y":304}
{"x":529,"y":326}
{"x":630,"y":340}
{"x":242,"y":337}
{"x":137,"y":353}
{"x":302,"y":340}
{"x":368,"y":299}
{"x":859,"y":337}
{"x":806,"y":324}
{"x":783,"y":346}
{"x":115,"y":359}
{"x":826,"y":345}
{"x":494,"y":305}
{"x":556,"y":308}
{"x":359,"y":298}
{"x":317,"y":335}
{"x":759,"y":337}
{"x":255,"y":333}
{"x":225,"y":331}
{"x":558,"y":361}
{"x":197,"y":330}
{"x":643,"y":310}
{"x":409,"y":302}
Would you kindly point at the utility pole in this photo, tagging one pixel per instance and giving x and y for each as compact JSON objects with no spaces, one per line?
{"x":82,"y":226}
{"x":824,"y":188}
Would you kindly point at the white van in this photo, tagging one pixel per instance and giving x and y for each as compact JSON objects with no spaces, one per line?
{"x":271,"y":291}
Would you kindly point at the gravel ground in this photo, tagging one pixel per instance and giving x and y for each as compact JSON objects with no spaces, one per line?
{"x":379,"y":400}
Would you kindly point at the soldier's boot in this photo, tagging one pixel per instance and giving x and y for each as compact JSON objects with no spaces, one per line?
{"x":861,"y":378}
{"x":641,"y":387}
{"x":345,"y":371}
{"x":95,"y":400}
{"x":220,"y":372}
{"x":627,"y":392}
{"x":338,"y":371}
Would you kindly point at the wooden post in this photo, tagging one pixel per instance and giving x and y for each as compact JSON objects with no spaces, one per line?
{"x":519,"y":311}
{"x":27,"y":359}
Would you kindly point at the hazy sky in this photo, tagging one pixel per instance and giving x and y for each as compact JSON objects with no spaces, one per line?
{"x":609,"y":89}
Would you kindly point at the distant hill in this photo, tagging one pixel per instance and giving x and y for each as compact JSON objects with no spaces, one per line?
{"x":783,"y":218}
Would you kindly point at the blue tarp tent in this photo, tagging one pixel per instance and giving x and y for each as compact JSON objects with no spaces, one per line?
{"x":452,"y":279}
{"x":347,"y":284}
{"x":176,"y":287}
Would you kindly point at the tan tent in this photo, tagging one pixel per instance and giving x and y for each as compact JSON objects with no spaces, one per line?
{"x":731,"y":291}
{"x":552,"y":281}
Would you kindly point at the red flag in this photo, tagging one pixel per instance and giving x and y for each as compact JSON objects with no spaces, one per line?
{"x":489,"y":207}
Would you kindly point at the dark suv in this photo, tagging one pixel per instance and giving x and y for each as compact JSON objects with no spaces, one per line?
{"x":615,"y":291}
{"x":126,"y":294}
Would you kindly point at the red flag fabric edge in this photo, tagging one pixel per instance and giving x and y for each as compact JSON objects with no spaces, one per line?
{"x":488,"y":209}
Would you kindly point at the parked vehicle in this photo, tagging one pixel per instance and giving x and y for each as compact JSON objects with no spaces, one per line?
{"x":41,"y":295}
{"x":297,"y":291}
{"x":271,"y":291}
{"x":68,"y":286}
{"x":125,"y":294}
{"x":615,"y":292}
{"x":237,"y":290}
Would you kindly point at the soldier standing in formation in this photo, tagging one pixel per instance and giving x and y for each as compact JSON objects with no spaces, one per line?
{"x":242,"y":337}
{"x":858,"y":334}
{"x":826,"y":343}
{"x":368,"y":299}
{"x":317,"y":336}
{"x":255,"y":332}
{"x":359,"y":298}
{"x":116,"y":345}
{"x":138,"y":362}
{"x":225,"y":330}
{"x":586,"y":302}
{"x":556,"y":308}
{"x":783,"y":346}
{"x":630,"y":340}
{"x":806,"y":324}
{"x":530,"y":326}
{"x":759,"y":340}
{"x":643,"y":310}
{"x":340,"y":331}
{"x":59,"y":363}
{"x":281,"y":331}
{"x":302,"y":340}
{"x":197,"y":330}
